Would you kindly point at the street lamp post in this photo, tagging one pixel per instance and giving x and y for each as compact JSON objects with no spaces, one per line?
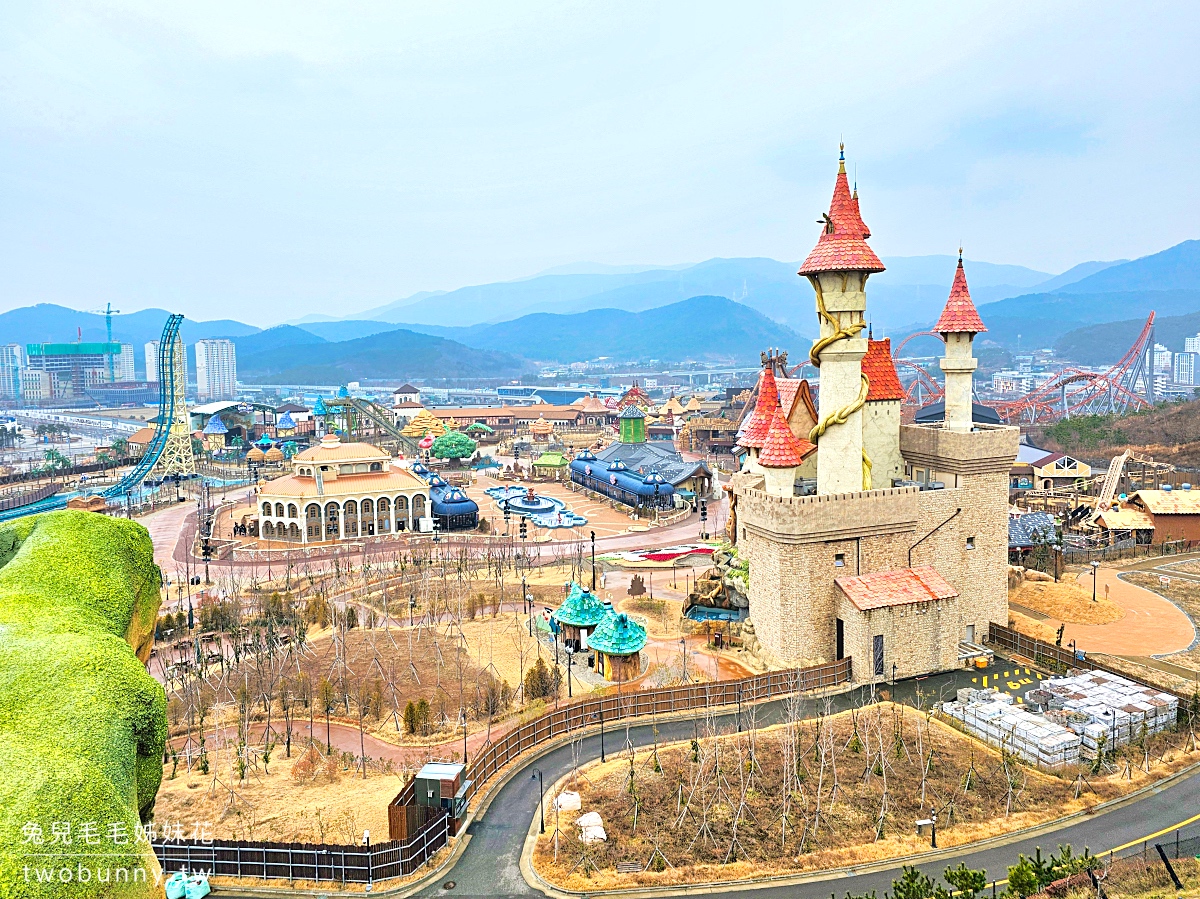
{"x":570,"y":659}
{"x":593,"y":561}
{"x":412,"y":605}
{"x":537,"y":772}
{"x":1095,"y":565}
{"x":683,"y":654}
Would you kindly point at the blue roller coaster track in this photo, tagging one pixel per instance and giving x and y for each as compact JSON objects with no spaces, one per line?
{"x":166,"y":414}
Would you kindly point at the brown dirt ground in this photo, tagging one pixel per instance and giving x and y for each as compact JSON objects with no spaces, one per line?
{"x":847,"y":829}
{"x":275,"y":806}
{"x":1066,"y":601}
{"x":1186,"y":595}
{"x":1030,"y":628}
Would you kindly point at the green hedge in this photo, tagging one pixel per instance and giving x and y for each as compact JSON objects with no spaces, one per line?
{"x":82,"y":725}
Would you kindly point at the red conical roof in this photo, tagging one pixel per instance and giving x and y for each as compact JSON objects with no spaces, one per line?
{"x":759,"y":425}
{"x":782,"y":448}
{"x":960,"y":315}
{"x":842,"y":246}
{"x":880,"y":370}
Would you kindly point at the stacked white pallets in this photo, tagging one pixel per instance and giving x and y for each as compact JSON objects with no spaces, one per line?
{"x":1118,"y":710}
{"x":1031,"y":737}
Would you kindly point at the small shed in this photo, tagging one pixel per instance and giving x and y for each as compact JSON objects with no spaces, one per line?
{"x":579,"y":615}
{"x":618,"y":641}
{"x":442,"y":785}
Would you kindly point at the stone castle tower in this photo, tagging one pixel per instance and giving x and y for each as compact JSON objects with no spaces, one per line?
{"x":867,"y":538}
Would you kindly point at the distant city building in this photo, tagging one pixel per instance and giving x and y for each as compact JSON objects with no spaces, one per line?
{"x":216,"y":370}
{"x":1162,"y":360}
{"x":36,"y":386}
{"x":123,"y":364}
{"x":12,"y":360}
{"x":1184,"y":371}
{"x":406,"y":394}
{"x":73,"y":368}
{"x":152,"y":361}
{"x":1191,"y":344}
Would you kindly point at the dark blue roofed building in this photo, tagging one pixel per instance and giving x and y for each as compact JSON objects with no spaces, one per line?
{"x":643,"y":474}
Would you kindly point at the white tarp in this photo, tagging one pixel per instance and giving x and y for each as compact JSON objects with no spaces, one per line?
{"x":591,"y":828}
{"x":567,"y":802}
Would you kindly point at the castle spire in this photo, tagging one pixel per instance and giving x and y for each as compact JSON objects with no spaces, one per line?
{"x":959,"y":315}
{"x":842,"y":246}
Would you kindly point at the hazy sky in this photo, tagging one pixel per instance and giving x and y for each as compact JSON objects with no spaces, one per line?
{"x":264,"y":160}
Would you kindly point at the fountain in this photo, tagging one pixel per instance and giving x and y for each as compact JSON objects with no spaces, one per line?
{"x":543,"y":511}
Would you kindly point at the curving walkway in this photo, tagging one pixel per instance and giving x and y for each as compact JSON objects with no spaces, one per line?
{"x":1151,"y":625}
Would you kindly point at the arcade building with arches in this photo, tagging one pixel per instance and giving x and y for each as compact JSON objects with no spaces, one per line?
{"x":341,"y":491}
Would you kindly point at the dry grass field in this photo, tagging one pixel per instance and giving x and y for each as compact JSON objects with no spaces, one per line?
{"x":815,"y":794}
{"x":1066,"y":601}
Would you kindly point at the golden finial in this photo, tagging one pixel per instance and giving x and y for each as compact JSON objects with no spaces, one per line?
{"x":842,"y":158}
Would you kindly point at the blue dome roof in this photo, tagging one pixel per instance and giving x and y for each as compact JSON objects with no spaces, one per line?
{"x":286,"y":421}
{"x":447,"y":500}
{"x":586,"y":456}
{"x":653,"y":478}
{"x":343,"y":392}
{"x":319,"y":408}
{"x":617,"y":465}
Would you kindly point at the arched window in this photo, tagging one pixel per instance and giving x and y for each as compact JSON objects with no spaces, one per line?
{"x":266,"y":509}
{"x":376,"y":466}
{"x":294,"y":532}
{"x":418,"y":504}
{"x":291,"y":510}
{"x":401,"y":505}
{"x":350,"y":519}
{"x":333,"y":515}
{"x":268,"y":529}
{"x":312,"y":516}
{"x":383,"y":515}
{"x":360,"y":467}
{"x":279,"y":510}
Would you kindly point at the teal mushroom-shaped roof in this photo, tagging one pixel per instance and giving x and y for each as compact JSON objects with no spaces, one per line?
{"x":581,"y":608}
{"x":618,"y":635}
{"x":319,"y":408}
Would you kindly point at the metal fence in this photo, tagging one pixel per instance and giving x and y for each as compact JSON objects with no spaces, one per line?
{"x":306,"y":861}
{"x":1049,"y":654}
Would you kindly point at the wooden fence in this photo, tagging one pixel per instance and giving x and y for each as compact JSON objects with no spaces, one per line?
{"x":416,"y":833}
{"x":1034,"y":649}
{"x":306,"y":861}
{"x":637,"y":703}
{"x":13,"y":500}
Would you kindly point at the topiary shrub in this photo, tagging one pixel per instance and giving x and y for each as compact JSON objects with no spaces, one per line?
{"x":82,"y":725}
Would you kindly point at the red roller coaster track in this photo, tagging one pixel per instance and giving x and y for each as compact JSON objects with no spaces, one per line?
{"x":1126,"y":386}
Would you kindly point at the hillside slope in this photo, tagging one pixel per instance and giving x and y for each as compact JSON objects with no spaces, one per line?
{"x":1105,"y":344}
{"x":703,"y":328}
{"x":1169,"y":433}
{"x":393,"y":355}
{"x":1176,"y":268}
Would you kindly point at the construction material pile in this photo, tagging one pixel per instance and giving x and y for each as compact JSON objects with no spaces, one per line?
{"x":1118,"y":710}
{"x":1081,"y":713}
{"x":992,"y":717}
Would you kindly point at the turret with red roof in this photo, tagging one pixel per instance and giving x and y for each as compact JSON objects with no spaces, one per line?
{"x":838,"y":268}
{"x":958,"y":325}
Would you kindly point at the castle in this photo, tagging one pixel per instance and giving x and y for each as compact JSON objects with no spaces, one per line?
{"x":866,"y":537}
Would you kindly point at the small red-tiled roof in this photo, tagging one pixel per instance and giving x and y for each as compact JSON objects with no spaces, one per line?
{"x":842,"y":246}
{"x":903,"y":586}
{"x":960,"y":315}
{"x":759,"y":425}
{"x":782,"y":448}
{"x":880,"y":370}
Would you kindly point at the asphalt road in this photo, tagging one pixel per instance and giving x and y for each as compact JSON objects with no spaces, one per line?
{"x":489,"y":866}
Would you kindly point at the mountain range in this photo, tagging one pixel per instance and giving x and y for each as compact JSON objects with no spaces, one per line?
{"x":718,"y":310}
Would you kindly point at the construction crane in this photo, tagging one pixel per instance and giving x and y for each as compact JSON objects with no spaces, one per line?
{"x":108,"y":312}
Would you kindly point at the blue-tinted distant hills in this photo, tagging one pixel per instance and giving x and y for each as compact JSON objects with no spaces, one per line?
{"x":911,"y":289}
